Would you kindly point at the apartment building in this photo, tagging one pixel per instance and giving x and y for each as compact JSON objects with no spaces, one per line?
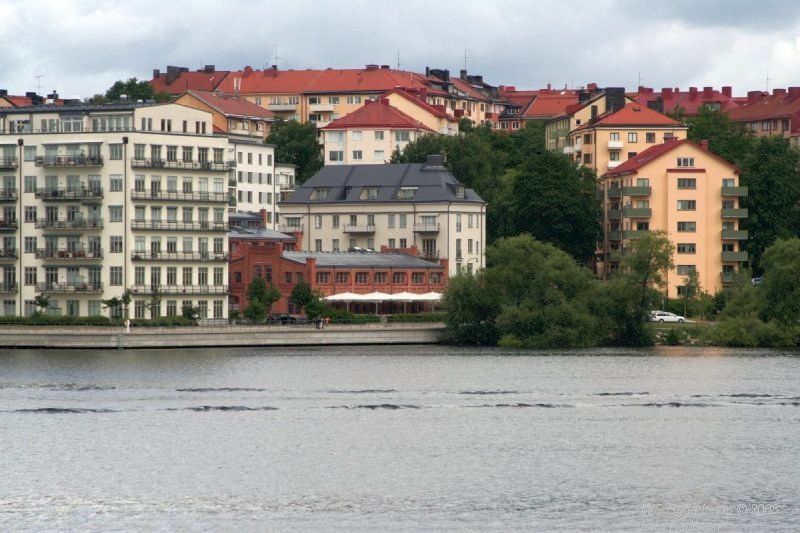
{"x":370,"y":134}
{"x":590,"y":104}
{"x":687,"y":103}
{"x":606,"y":141}
{"x":683,"y":189}
{"x":347,"y":207}
{"x":255,"y":185}
{"x":230,"y":115}
{"x":98,"y":199}
{"x":776,"y":114}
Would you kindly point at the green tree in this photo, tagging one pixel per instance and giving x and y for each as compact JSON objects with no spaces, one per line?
{"x":730,"y":140}
{"x":692,"y":291}
{"x":298,"y":145}
{"x":134,"y":90}
{"x":260,"y":298}
{"x":781,"y":282}
{"x":42,"y":303}
{"x":472,"y":310}
{"x":301,"y":295}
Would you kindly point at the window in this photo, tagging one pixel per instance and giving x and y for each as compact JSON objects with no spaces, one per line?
{"x":613,"y":156}
{"x":319,"y":194}
{"x":406,"y":193}
{"x":115,"y":183}
{"x":115,"y":244}
{"x":287,"y":277}
{"x":391,"y":220}
{"x":342,"y":277}
{"x":115,"y":213}
{"x":687,"y":205}
{"x":187,"y":153}
{"x":172,"y":307}
{"x":469,"y":246}
{"x":358,"y":135}
{"x":30,"y":213}
{"x":323,"y":277}
{"x":369,"y":193}
{"x":378,"y":135}
{"x":115,"y":275}
{"x":333,"y":99}
{"x":633,"y":137}
{"x":358,"y":155}
{"x":398,"y":278}
{"x":30,"y":275}
{"x":354,"y":99}
{"x":401,"y":136}
{"x":587,"y":159}
{"x":403,"y":243}
{"x":335,"y":221}
{"x":687,"y":183}
{"x":685,"y":270}
{"x":317,"y":221}
{"x":650,"y":137}
{"x":417,"y":278}
{"x":686,"y":248}
{"x":335,"y":245}
{"x":377,"y":155}
{"x":614,"y":136}
{"x":403,"y":220}
{"x":186,"y":276}
{"x":458,"y":222}
{"x":688,"y":227}
{"x":336,"y":155}
{"x":30,"y":184}
{"x":317,"y":245}
{"x":685,"y":161}
{"x":362,"y":278}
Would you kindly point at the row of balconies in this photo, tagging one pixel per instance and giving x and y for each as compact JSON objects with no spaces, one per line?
{"x":70,"y":287}
{"x":223,"y":166}
{"x":70,"y":255}
{"x":78,"y":223}
{"x":646,"y":212}
{"x":363,"y":229}
{"x":176,"y":196}
{"x":138,"y":255}
{"x":727,"y":234}
{"x":70,"y":194}
{"x":619,"y":192}
{"x":161,"y":225}
{"x":179,"y":289}
{"x":69,"y":161}
{"x":8,"y":163}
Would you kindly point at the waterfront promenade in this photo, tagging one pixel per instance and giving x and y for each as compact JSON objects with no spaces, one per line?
{"x":187,"y":337}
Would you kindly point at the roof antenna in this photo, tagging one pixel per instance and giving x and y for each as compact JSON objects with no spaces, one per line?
{"x":398,"y":60}
{"x":277,"y":57}
{"x":768,"y":80}
{"x":466,"y":56}
{"x":39,"y":83}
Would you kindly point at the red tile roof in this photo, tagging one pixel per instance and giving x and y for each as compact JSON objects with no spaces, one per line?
{"x":232,"y":106}
{"x":633,"y":114}
{"x":781,"y":103}
{"x":632,"y":165}
{"x":550,"y":103}
{"x":24,"y":101}
{"x":188,"y":81}
{"x":435,"y":110}
{"x":521,"y":99}
{"x":690,"y":102}
{"x":376,"y":113}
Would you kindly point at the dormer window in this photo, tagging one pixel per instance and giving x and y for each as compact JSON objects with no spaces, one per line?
{"x":460,"y":192}
{"x":319,"y":194}
{"x":369,"y":193}
{"x":406,"y":193}
{"x":686,"y":161}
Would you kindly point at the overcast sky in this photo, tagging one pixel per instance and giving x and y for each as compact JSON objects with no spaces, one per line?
{"x":80,"y":47}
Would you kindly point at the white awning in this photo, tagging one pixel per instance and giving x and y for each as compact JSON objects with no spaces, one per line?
{"x":345,"y":297}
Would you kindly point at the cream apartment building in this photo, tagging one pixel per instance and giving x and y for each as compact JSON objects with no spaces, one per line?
{"x":591,"y":105}
{"x":694,"y":196}
{"x":417,"y":208}
{"x":98,"y":199}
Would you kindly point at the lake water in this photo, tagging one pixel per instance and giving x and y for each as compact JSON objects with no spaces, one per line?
{"x":399,"y":438}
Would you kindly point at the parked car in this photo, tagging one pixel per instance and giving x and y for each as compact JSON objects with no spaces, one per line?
{"x":664,"y":316}
{"x":282,"y":318}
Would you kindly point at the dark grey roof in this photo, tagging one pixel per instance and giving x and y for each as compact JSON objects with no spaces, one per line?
{"x":257,"y":234}
{"x":361,"y":259}
{"x":74,"y":108}
{"x":345,"y":183}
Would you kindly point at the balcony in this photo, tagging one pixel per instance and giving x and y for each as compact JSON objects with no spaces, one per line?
{"x":8,"y":163}
{"x":577,"y":145}
{"x":426,"y":228}
{"x":613,"y":164}
{"x":352,"y":228}
{"x":79,"y":223}
{"x":728,"y":277}
{"x":69,"y":161}
{"x":569,"y":150}
{"x":9,"y":255}
{"x":162,"y":225}
{"x":637,"y":212}
{"x":730,"y":257}
{"x":8,"y":195}
{"x":290,"y":228}
{"x":71,"y":287}
{"x":9,"y":225}
{"x":734,"y":235}
{"x":282,"y":107}
{"x":430,"y":255}
{"x":636,"y":191}
{"x":175,"y":196}
{"x":320,"y":108}
{"x":615,"y":145}
{"x":9,"y":288}
{"x":614,"y":214}
{"x":220,"y":166}
{"x":178,"y":256}
{"x":734,"y":212}
{"x":614,"y":192}
{"x":70,"y":194}
{"x":734,"y":191}
{"x":617,"y":235}
{"x":179,"y":289}
{"x":78,"y":255}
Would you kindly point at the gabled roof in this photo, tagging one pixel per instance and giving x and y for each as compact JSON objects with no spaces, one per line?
{"x":632,"y":165}
{"x":378,"y":114}
{"x":759,"y":106}
{"x":690,"y":102}
{"x":438,"y":111}
{"x":232,"y":106}
{"x":550,"y":103}
{"x":431,"y":181}
{"x":633,"y":114}
{"x":180,"y":82}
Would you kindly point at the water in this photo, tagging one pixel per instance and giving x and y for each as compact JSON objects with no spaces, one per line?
{"x":399,"y":439}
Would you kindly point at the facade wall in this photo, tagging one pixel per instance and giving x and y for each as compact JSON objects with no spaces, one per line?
{"x":610,"y":146}
{"x":715,"y":215}
{"x":438,"y":124}
{"x":365,"y":146}
{"x":438,"y":231}
{"x":255,"y":186}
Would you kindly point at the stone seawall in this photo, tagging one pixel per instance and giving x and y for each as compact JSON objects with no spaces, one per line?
{"x":305,"y":335}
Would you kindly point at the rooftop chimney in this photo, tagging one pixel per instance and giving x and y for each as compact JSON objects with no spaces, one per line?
{"x":692,"y":92}
{"x":794,"y":92}
{"x":778,"y":92}
{"x":703,"y":144}
{"x":208,"y":69}
{"x":463,"y":74}
{"x":708,"y":92}
{"x":727,"y":90}
{"x":752,"y":96}
{"x":385,"y":67}
{"x":372,"y":66}
{"x":666,"y":93}
{"x":591,"y":87}
{"x":3,"y":92}
{"x":434,"y":161}
{"x":156,"y":73}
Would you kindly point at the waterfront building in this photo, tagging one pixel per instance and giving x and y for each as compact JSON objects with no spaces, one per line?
{"x":97,"y":199}
{"x":776,"y":114}
{"x":683,"y":189}
{"x":346,"y":207}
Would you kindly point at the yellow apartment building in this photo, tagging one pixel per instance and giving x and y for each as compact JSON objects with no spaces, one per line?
{"x":590,"y":106}
{"x":683,"y":189}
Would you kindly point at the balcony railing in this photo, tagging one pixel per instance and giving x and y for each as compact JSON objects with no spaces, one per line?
{"x":222,"y":166}
{"x":729,"y":277}
{"x":162,"y":225}
{"x":734,"y":256}
{"x":8,"y":163}
{"x":430,"y":255}
{"x":92,"y":223}
{"x":426,"y":228}
{"x":175,"y":196}
{"x":11,"y":253}
{"x":290,"y":228}
{"x":628,"y":234}
{"x":70,"y":194}
{"x":636,"y":191}
{"x":179,"y":289}
{"x":178,"y":256}
{"x":8,"y":195}
{"x":613,"y":164}
{"x":568,"y":150}
{"x":282,"y":107}
{"x":9,"y":288}
{"x":9,"y":225}
{"x":615,"y":145}
{"x":69,"y":255}
{"x":321,"y":108}
{"x":734,"y":212}
{"x":614,"y":192}
{"x":69,"y":161}
{"x":353,"y":228}
{"x":614,"y":214}
{"x":735,"y":235}
{"x":72,"y":287}
{"x":637,"y":212}
{"x":734,"y":191}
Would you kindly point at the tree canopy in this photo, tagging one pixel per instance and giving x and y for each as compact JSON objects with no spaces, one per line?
{"x":133,"y":89}
{"x":296,"y":144}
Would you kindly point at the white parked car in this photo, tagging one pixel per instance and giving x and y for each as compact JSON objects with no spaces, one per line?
{"x":663,"y":316}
